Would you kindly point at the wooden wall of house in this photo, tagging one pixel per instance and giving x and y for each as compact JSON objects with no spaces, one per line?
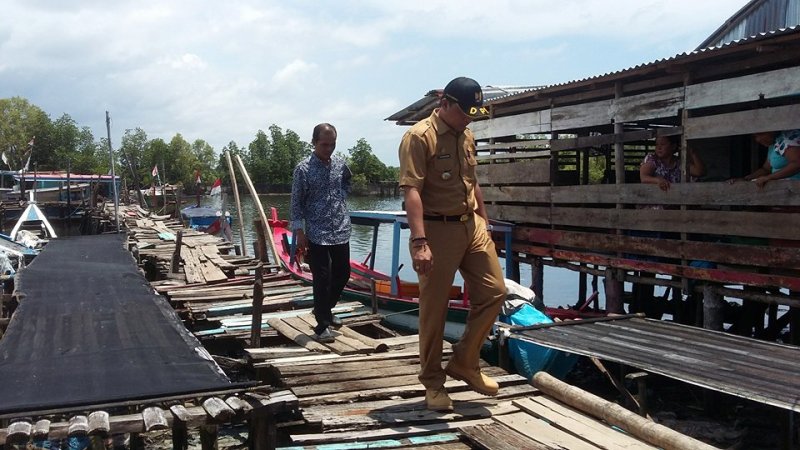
{"x":603,"y":229}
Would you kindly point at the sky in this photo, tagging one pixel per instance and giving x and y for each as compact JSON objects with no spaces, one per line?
{"x":222,"y":70}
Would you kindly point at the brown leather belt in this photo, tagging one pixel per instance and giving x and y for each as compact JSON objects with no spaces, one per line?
{"x":458,"y":218}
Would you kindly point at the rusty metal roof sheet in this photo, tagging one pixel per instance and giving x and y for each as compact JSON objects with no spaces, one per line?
{"x":762,"y":371}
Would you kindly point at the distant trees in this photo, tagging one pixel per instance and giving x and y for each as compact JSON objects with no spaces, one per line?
{"x":270,"y":158}
{"x":366,"y":167}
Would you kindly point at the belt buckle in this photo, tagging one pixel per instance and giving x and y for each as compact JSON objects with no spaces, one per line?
{"x":463,"y":218}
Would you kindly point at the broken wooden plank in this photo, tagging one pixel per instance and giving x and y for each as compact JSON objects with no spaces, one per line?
{"x":300,"y":338}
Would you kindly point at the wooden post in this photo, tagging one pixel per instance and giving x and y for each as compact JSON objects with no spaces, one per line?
{"x":263,"y":431}
{"x":613,"y":290}
{"x":178,"y":200}
{"x":537,"y":278}
{"x":208,"y":437}
{"x":258,"y":302}
{"x":502,"y":349}
{"x":582,"y":286}
{"x":261,"y":241}
{"x":176,"y":255}
{"x":373,"y":293}
{"x":713,"y":307}
{"x":235,"y":188}
{"x":136,"y":443}
{"x":180,"y":435}
{"x":260,"y":208}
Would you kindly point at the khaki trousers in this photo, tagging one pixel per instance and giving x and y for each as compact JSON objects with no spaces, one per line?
{"x":467,"y":247}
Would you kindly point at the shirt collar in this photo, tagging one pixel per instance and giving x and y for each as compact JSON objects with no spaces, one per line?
{"x":440,"y":126}
{"x":316,"y":160}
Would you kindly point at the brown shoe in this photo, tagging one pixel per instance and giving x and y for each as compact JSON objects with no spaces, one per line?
{"x":474,"y":378}
{"x":438,"y":400}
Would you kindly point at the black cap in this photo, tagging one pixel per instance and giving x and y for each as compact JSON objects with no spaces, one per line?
{"x":467,"y":93}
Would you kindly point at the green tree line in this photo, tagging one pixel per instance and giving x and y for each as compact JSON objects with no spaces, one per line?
{"x":270,"y":157}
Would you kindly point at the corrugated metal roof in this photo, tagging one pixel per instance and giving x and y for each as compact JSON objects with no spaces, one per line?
{"x":755,"y":17}
{"x":422,"y":107}
{"x":762,"y":371}
{"x":679,"y":58}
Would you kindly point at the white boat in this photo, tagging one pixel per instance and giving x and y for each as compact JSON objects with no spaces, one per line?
{"x":32,"y":230}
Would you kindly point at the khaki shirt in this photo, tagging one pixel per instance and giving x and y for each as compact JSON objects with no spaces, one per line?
{"x":440,"y":163}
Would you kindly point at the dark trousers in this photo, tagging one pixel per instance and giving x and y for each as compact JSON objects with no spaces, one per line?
{"x":330,"y":266}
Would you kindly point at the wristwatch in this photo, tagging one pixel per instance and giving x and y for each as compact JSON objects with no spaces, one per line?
{"x":490,"y":227}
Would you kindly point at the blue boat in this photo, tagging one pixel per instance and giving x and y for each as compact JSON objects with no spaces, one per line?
{"x":207,"y":219}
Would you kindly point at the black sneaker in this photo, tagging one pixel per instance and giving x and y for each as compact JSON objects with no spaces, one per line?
{"x":336,"y":322}
{"x":325,"y":336}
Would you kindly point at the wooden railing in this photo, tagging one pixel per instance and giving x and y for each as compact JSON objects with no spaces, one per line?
{"x":749,"y":234}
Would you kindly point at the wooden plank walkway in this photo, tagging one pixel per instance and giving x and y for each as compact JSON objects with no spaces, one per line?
{"x":374,"y":400}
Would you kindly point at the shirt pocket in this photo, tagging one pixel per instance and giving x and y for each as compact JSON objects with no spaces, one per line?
{"x":470,"y":163}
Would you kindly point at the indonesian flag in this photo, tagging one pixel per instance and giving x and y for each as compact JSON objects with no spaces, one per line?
{"x":155,"y":171}
{"x":216,"y":189}
{"x":197,"y":179}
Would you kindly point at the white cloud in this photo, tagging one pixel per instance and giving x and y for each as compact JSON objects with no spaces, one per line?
{"x":291,"y":74}
{"x":187,"y":61}
{"x":220,"y":71}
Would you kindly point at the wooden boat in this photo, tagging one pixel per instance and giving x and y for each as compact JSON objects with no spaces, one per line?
{"x":390,"y":292}
{"x":162,"y":199}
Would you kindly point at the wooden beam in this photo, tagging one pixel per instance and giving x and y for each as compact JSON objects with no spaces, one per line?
{"x":751,"y":255}
{"x":536,"y":171}
{"x":723,"y":223}
{"x":744,"y":122}
{"x":748,"y":88}
{"x":715,"y":194}
{"x":528,"y":123}
{"x":650,"y":105}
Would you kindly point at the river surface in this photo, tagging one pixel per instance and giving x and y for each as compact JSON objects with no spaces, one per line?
{"x":560,"y":285}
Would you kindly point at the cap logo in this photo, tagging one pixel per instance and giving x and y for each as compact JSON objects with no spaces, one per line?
{"x":474,"y":111}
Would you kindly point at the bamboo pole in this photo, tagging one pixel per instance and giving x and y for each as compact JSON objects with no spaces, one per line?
{"x":238,"y":202}
{"x":647,"y":430}
{"x":260,"y":207}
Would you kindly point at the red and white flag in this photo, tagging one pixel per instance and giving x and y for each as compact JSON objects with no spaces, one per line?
{"x":197,"y":179}
{"x":155,"y":171}
{"x":216,"y":188}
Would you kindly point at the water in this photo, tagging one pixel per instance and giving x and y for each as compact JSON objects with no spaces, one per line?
{"x":560,"y":285}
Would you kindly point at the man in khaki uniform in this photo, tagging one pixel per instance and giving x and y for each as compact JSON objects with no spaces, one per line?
{"x":450,"y":231}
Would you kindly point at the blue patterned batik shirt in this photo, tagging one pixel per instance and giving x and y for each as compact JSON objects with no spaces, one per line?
{"x":319,"y":200}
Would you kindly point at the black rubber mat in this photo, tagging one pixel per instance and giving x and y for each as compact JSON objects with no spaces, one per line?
{"x":90,"y":330}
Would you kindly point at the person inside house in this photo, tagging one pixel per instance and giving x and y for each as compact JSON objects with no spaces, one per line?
{"x":662,"y":167}
{"x":450,"y":231}
{"x":783,"y":157}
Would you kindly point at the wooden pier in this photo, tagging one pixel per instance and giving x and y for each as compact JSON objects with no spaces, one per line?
{"x":361,"y":391}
